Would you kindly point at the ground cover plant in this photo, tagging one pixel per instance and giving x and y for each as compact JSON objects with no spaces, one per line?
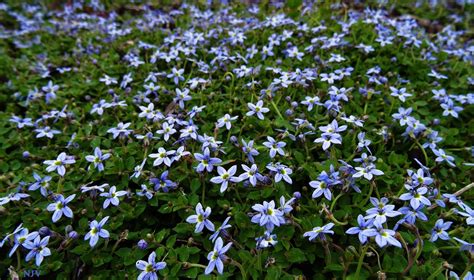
{"x":285,"y":140}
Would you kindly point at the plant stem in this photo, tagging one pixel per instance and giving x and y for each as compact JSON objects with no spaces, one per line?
{"x":242,"y":270}
{"x":187,"y":265}
{"x":436,"y":272}
{"x":327,"y":253}
{"x":18,"y":260}
{"x":334,"y":201}
{"x":361,"y":260}
{"x":276,"y":109}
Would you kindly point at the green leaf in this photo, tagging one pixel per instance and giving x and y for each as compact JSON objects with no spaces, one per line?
{"x":295,"y":255}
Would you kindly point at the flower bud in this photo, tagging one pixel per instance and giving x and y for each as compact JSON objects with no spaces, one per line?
{"x":44,"y":231}
{"x":234,"y":140}
{"x":142,"y":244}
{"x":73,"y":234}
{"x":68,"y":228}
{"x":297,"y":195}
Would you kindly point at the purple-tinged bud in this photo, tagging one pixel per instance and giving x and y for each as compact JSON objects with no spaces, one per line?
{"x":297,"y":195}
{"x":294,"y":104}
{"x":44,"y":231}
{"x":436,"y":121}
{"x":234,"y":140}
{"x":142,"y":244}
{"x":288,"y":98}
{"x":73,"y":234}
{"x":266,"y":180}
{"x":26,"y":154}
{"x":289,"y":112}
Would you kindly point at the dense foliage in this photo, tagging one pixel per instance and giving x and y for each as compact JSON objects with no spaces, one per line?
{"x":281,"y":141}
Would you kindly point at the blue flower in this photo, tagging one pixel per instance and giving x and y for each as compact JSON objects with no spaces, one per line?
{"x":285,"y":206}
{"x":46,"y":131}
{"x":415,"y":195}
{"x":439,"y":230}
{"x":411,"y":215}
{"x":20,"y":236}
{"x":319,"y":232}
{"x":112,"y":197}
{"x":367,"y":171}
{"x":60,"y":207}
{"x":419,"y":178}
{"x":451,"y":109}
{"x":363,"y":143}
{"x":206,"y":162}
{"x":267,"y":215}
{"x":321,"y":187}
{"x":96,"y":231}
{"x":226,"y":121}
{"x":59,"y":164}
{"x":383,"y":236}
{"x":176,"y":75}
{"x":121,"y":130}
{"x":249,"y":150}
{"x":20,"y":123}
{"x":38,"y":249}
{"x":97,"y":159}
{"x":400,"y":93}
{"x":147,"y":112}
{"x":268,"y":239}
{"x":149,"y":268}
{"x":454,"y":275}
{"x":137,"y":170}
{"x":363,"y":225}
{"x":181,"y":97}
{"x":167,"y":130}
{"x":220,"y":230}
{"x":217,"y":256}
{"x":251,"y":173}
{"x":201,"y":219}
{"x":257,"y":109}
{"x":465,"y":246}
{"x":162,"y":156}
{"x":41,"y":183}
{"x":163,"y":182}
{"x":442,"y":156}
{"x":403,"y":115}
{"x":282,"y":172}
{"x":329,"y":138}
{"x":225,"y":176}
{"x":12,"y":197}
{"x":145,"y":192}
{"x":381,"y":210}
{"x":468,"y":212}
{"x":274,"y":146}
